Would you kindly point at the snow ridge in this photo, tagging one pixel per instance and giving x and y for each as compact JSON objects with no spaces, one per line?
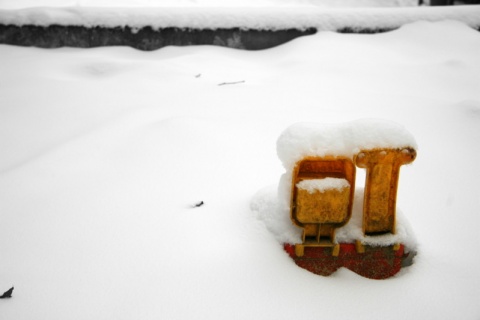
{"x":260,"y":18}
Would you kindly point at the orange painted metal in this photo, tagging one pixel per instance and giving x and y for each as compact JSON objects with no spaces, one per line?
{"x":381,"y":184}
{"x":320,"y":213}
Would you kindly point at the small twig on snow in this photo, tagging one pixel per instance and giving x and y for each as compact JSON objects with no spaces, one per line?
{"x":199,"y":204}
{"x":235,"y":82}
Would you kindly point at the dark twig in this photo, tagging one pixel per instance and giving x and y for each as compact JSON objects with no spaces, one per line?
{"x":235,"y":82}
{"x":7,"y":294}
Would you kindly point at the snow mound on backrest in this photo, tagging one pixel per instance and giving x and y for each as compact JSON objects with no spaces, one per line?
{"x":345,"y":140}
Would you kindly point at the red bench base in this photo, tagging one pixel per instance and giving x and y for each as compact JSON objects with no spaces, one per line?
{"x":374,"y":263}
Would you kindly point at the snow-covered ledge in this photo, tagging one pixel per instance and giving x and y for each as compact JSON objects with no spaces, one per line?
{"x":257,"y":18}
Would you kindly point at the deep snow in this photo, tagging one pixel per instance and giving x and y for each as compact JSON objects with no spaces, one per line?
{"x":104,"y":152}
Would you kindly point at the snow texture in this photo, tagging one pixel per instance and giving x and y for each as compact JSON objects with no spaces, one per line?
{"x":321,"y":185}
{"x":346,"y":139}
{"x":260,"y":18}
{"x":18,"y":4}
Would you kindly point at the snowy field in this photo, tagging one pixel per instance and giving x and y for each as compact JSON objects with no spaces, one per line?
{"x":106,"y":151}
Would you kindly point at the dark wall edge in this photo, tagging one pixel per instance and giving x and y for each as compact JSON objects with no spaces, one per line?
{"x":147,"y":38}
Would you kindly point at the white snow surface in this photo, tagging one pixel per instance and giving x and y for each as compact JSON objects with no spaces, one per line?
{"x":321,"y":185}
{"x":105,"y":151}
{"x":244,"y":17}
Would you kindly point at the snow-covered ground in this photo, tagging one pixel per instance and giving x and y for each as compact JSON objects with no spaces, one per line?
{"x":106,"y":151}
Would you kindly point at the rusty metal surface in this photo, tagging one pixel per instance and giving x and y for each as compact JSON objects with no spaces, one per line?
{"x":381,"y":184}
{"x":374,"y":262}
{"x":320,"y":213}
